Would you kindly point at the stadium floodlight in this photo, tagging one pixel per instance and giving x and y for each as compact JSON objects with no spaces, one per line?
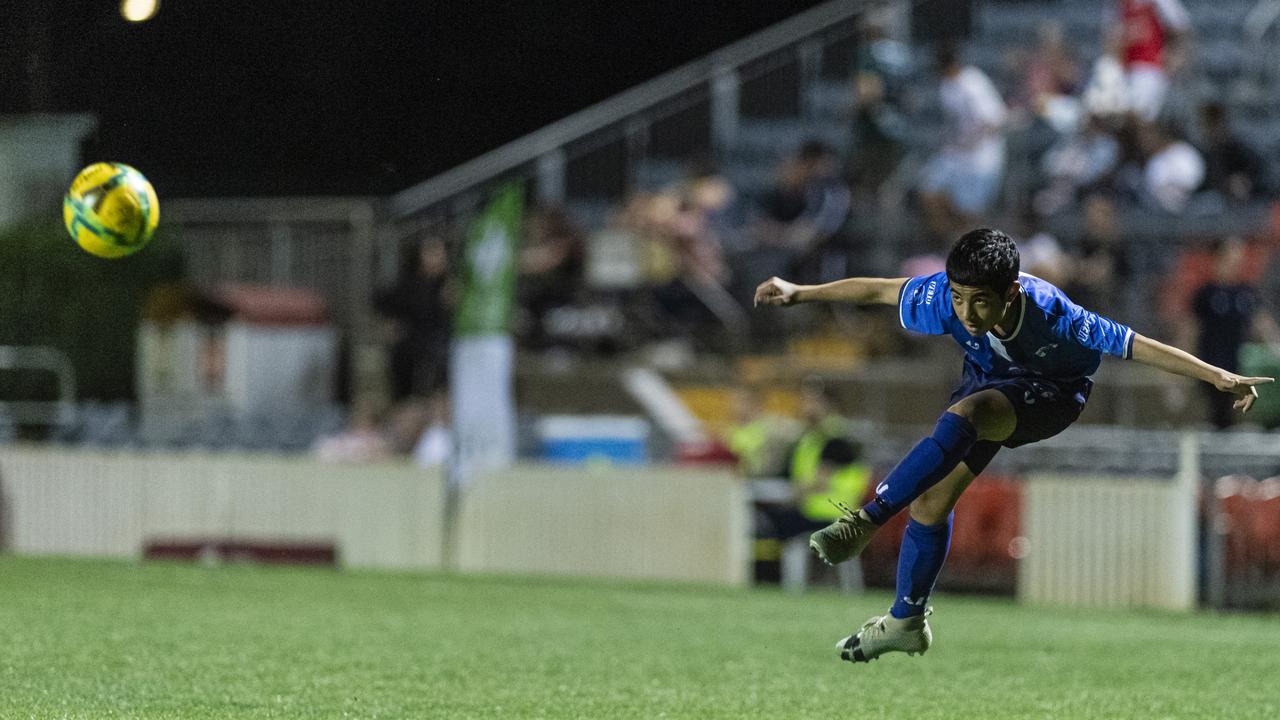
{"x":139,"y":10}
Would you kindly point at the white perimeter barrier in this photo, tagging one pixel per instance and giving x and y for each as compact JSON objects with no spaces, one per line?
{"x":635,"y":522}
{"x":72,"y":502}
{"x":1112,"y":542}
{"x":608,"y":521}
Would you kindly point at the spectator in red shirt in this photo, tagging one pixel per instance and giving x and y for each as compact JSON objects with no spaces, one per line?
{"x":1151,"y":33}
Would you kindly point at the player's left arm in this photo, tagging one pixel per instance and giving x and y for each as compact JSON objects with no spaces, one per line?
{"x":1100,"y":333}
{"x":1179,"y":362}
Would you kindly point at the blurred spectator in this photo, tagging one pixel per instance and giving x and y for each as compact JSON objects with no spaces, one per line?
{"x":1227,"y":312}
{"x":1076,"y":163}
{"x":758,"y":438}
{"x":805,"y":209}
{"x":1040,"y":251}
{"x":691,"y":298}
{"x":824,"y":469}
{"x":710,"y":195}
{"x":1050,"y":79}
{"x":419,"y":307}
{"x":879,"y":128}
{"x":1106,"y":93}
{"x":643,"y":219}
{"x":550,"y":269}
{"x":1173,"y":169}
{"x":1232,"y":168}
{"x":671,"y":238}
{"x":961,"y":182}
{"x":1100,"y":268}
{"x":435,"y":441}
{"x":1152,"y":33}
{"x":361,"y":441}
{"x":403,"y":424}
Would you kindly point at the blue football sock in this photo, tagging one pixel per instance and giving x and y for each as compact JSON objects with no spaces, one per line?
{"x":924,"y":550}
{"x":927,"y":463}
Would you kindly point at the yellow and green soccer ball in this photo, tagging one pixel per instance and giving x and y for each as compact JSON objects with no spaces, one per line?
{"x":111,"y":210}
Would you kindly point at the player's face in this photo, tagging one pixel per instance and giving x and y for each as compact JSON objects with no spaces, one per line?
{"x":978,"y":308}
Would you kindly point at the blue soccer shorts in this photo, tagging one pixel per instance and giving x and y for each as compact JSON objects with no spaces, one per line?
{"x":1043,"y":408}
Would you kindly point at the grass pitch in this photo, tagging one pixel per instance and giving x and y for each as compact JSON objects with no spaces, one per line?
{"x":87,"y":639}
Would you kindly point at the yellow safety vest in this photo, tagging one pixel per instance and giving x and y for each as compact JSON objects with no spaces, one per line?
{"x":848,"y":484}
{"x":749,"y":443}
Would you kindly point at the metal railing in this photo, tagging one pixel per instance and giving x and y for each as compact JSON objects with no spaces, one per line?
{"x":330,"y":245}
{"x":718,"y":71}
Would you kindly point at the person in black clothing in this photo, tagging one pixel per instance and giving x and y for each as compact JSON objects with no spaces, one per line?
{"x":1228,"y":311}
{"x":1101,"y":269}
{"x":803,"y":213}
{"x":419,"y":305}
{"x":551,"y":267}
{"x":1232,"y":168}
{"x":880,"y":69}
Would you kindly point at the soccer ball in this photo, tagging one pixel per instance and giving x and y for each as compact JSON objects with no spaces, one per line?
{"x":111,"y":210}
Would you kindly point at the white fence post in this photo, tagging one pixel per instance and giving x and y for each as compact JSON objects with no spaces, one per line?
{"x":1184,"y":547}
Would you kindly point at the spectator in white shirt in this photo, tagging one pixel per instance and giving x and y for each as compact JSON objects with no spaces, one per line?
{"x":1173,"y":170}
{"x":962,"y":180}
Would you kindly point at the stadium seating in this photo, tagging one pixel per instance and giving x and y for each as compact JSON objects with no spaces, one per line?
{"x":1249,"y":521}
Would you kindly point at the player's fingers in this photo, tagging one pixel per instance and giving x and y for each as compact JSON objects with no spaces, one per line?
{"x":764,"y":290}
{"x":1251,"y":381}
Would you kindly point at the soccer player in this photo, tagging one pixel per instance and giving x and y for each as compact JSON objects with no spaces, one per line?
{"x":1029,"y":352}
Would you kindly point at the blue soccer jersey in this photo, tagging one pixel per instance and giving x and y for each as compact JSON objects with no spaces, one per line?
{"x":1054,"y":338}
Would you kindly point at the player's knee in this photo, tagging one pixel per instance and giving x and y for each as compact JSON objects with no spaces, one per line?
{"x":990,"y":414}
{"x":931,"y":508}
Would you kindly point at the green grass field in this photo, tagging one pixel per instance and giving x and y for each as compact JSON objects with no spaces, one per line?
{"x":87,"y":639}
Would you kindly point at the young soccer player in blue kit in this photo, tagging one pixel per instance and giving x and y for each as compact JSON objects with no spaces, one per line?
{"x":1029,"y":352}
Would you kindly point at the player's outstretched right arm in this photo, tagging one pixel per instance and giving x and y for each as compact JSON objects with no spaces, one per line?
{"x":860,"y":291}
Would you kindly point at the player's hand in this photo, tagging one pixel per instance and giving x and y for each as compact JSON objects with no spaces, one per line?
{"x":776,"y":291}
{"x":1244,"y":388}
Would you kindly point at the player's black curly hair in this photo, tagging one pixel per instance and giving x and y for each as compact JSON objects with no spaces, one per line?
{"x":983,"y":258}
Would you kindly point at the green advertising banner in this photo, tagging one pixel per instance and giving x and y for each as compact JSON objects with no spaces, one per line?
{"x":489,"y":265}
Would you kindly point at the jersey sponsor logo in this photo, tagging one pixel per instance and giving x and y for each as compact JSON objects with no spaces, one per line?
{"x":1040,"y":390}
{"x":1082,"y":335}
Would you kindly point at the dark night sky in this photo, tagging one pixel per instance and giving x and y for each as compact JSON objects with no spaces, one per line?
{"x":283,"y":97}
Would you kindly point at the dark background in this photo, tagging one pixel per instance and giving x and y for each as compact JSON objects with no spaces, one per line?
{"x":336,"y":96}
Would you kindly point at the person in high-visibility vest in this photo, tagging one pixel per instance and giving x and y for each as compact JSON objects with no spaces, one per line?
{"x":822,"y":468}
{"x":758,"y":439}
{"x":824,"y":474}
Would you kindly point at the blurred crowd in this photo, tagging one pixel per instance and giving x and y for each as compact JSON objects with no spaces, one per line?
{"x":1094,"y":138}
{"x":1100,"y":137}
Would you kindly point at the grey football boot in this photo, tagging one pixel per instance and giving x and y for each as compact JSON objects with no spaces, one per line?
{"x":887,"y":633}
{"x":845,"y":538}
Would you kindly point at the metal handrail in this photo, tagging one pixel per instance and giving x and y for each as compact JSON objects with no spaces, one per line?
{"x":617,"y":108}
{"x":40,"y":412}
